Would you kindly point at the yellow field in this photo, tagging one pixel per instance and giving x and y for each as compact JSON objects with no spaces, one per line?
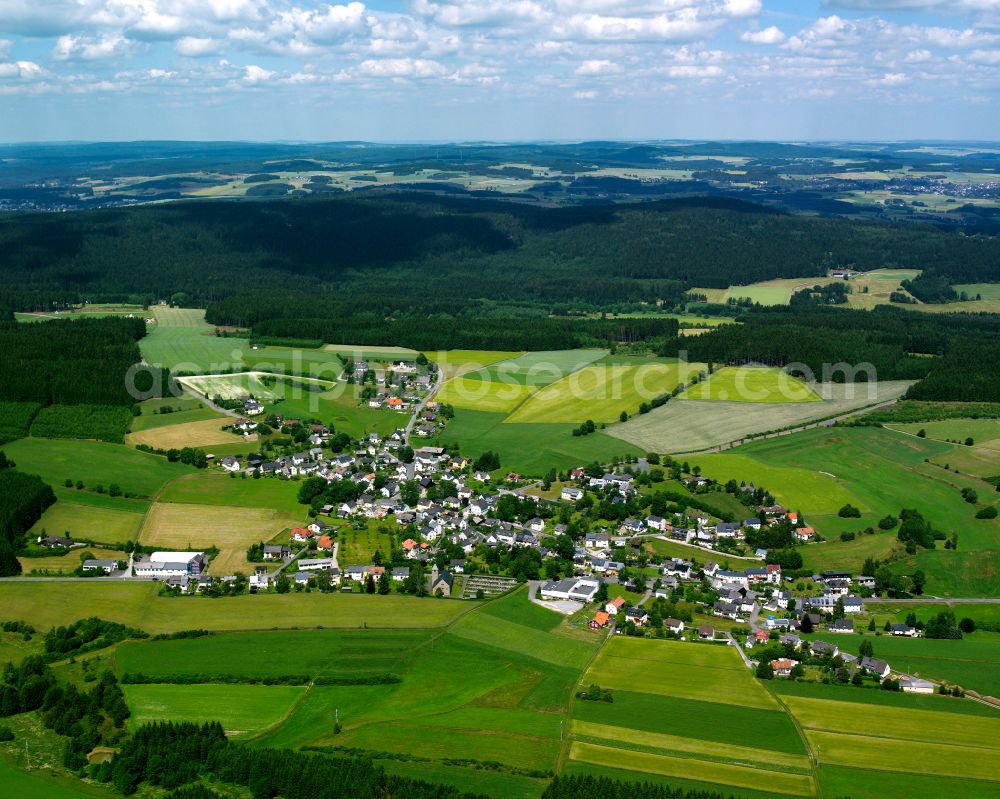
{"x":691,"y":746}
{"x":601,"y":392}
{"x":483,"y":395}
{"x":232,"y":529}
{"x":205,"y":433}
{"x":690,"y":768}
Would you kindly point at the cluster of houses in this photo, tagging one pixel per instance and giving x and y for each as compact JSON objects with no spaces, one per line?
{"x":399,"y":386}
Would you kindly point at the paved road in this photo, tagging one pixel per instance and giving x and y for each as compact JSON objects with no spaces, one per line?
{"x":734,"y":643}
{"x":420,"y":405}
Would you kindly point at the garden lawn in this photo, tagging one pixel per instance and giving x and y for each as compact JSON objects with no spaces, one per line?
{"x":95,"y":463}
{"x":531,"y":449}
{"x":601,"y":392}
{"x":751,"y":384}
{"x":706,"y":672}
{"x":243,"y":710}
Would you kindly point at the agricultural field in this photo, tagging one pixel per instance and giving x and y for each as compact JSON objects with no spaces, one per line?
{"x":752,"y":384}
{"x":243,"y":710}
{"x":182,"y":341}
{"x":879,"y":472}
{"x":530,"y":448}
{"x":138,"y":604}
{"x":483,"y":395}
{"x":538,"y":368}
{"x":110,"y":525}
{"x":683,"y":427}
{"x":232,"y":386}
{"x":972,"y":662}
{"x":701,"y":717}
{"x":340,"y":407}
{"x":706,"y":672}
{"x":320,"y":363}
{"x":454,"y":363}
{"x":215,"y":488}
{"x":601,"y":392}
{"x":193,"y":411}
{"x":174,"y":526}
{"x":905,"y":739}
{"x":95,"y":463}
{"x":372,"y":352}
{"x":203,"y":433}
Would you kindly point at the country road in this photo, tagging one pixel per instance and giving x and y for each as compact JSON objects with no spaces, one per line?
{"x":420,"y":405}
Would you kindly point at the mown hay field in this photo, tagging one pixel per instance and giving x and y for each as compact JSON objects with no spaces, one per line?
{"x":751,"y":384}
{"x":203,"y":433}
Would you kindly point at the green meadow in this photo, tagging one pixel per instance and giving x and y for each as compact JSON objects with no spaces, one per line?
{"x":215,"y":488}
{"x":95,"y":463}
{"x":880,"y":472}
{"x":530,"y":448}
{"x":87,"y":521}
{"x":243,"y":710}
{"x":751,"y":384}
{"x":181,"y":340}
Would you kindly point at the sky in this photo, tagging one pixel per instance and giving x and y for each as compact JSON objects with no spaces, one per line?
{"x":499,"y":70}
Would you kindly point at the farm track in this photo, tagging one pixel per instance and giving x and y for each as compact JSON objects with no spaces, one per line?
{"x":813,"y":758}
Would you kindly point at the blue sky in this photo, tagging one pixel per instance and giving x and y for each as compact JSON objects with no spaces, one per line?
{"x":446,"y":70}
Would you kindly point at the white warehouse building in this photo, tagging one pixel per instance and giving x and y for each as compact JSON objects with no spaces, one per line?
{"x":170,"y":564}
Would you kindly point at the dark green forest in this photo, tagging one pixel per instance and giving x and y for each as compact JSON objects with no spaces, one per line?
{"x":407,"y":253}
{"x":23,"y":500}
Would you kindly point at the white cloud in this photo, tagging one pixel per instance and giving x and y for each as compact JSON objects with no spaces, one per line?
{"x":22,"y":70}
{"x":693,"y":71}
{"x":985,"y":56}
{"x":890,"y":79}
{"x":255,"y":74}
{"x":769,"y":35}
{"x":686,"y":25}
{"x":196,"y":46}
{"x":90,"y":49}
{"x":598,"y":66}
{"x":400,"y":68}
{"x":919,"y":56}
{"x":589,"y":94}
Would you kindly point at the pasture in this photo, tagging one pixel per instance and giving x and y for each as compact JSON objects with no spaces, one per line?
{"x":243,"y":710}
{"x":601,"y":392}
{"x":174,"y":526}
{"x":531,"y":449}
{"x":95,"y":463}
{"x":67,"y":518}
{"x":182,"y":341}
{"x":682,"y":427}
{"x":751,"y":384}
{"x":138,"y":604}
{"x":207,"y":432}
{"x":706,"y":672}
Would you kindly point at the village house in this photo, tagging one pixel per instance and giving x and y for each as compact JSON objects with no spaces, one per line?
{"x":614,"y":606}
{"x":600,"y":620}
{"x":783,"y":667}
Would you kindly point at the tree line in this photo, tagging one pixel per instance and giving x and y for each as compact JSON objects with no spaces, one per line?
{"x":23,"y":500}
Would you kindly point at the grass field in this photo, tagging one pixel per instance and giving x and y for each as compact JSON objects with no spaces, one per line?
{"x":532,"y":449}
{"x":705,"y":672}
{"x":151,"y":421}
{"x":174,"y":526}
{"x":51,"y":604}
{"x":214,"y":488}
{"x":860,"y":783}
{"x":988,"y":291}
{"x":95,"y":463}
{"x":972,"y":662}
{"x":879,"y":472}
{"x":483,"y":395}
{"x":233,"y":386}
{"x":182,"y":341}
{"x":538,"y":368}
{"x":984,"y":432}
{"x":454,"y":363}
{"x":205,"y":433}
{"x":42,"y":783}
{"x":372,"y":352}
{"x":68,"y":562}
{"x":340,"y":408}
{"x":356,"y":547}
{"x":691,"y":426}
{"x":316,"y":363}
{"x":601,"y":392}
{"x":87,"y":521}
{"x":243,"y":710}
{"x":751,"y":385}
{"x":723,"y":774}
